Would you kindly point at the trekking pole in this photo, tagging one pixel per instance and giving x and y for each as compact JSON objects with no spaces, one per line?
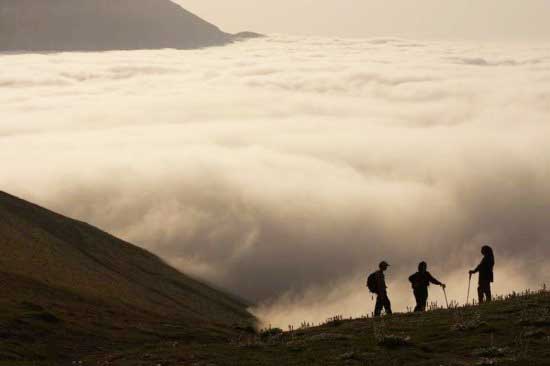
{"x":469,"y":284}
{"x":445,"y":293}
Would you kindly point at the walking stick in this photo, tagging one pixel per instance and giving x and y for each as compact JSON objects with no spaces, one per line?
{"x":469,"y":283}
{"x":445,"y":293}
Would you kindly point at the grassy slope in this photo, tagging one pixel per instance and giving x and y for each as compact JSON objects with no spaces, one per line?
{"x":69,"y":289}
{"x":515,"y":331}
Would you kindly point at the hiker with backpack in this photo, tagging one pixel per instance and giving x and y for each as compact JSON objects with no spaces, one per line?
{"x":420,"y":282}
{"x":376,"y":283}
{"x":486,"y":276}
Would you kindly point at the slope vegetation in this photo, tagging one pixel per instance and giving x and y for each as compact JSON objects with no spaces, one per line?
{"x":70,"y":289}
{"x":512,"y":331}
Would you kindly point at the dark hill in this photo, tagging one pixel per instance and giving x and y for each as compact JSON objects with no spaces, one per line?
{"x":69,"y":289}
{"x":95,"y":25}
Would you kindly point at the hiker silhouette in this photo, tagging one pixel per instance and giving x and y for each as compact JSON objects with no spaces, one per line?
{"x":376,"y":283}
{"x":420,"y":282}
{"x":486,"y":277}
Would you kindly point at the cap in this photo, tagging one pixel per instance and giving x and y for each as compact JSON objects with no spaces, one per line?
{"x":383,"y":264}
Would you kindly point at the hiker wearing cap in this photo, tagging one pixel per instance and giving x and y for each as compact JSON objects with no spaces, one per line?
{"x":485,"y":270}
{"x":376,"y":283}
{"x":420,"y":282}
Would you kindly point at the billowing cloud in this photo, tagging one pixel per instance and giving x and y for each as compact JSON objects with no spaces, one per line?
{"x":285,"y":169}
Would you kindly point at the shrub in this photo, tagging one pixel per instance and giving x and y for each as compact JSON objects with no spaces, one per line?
{"x":394,"y":341}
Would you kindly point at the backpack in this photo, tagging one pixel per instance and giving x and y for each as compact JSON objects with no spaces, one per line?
{"x":372,"y":283}
{"x":414,"y":280}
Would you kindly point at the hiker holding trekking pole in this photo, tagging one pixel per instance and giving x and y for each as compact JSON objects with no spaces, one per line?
{"x":376,"y":283}
{"x":420,"y":282}
{"x":486,"y":276}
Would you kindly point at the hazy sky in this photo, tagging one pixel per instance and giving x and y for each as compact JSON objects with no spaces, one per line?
{"x":468,"y":19}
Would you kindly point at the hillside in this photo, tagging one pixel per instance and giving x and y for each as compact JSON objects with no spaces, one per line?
{"x":71,"y":292}
{"x":512,"y":331}
{"x":69,"y":289}
{"x":95,"y":25}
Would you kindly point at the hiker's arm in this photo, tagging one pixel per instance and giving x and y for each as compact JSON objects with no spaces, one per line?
{"x":433,"y":280}
{"x":476,"y":270}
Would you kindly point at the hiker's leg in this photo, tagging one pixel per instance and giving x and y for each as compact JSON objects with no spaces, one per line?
{"x":418,"y":298}
{"x":418,"y":307}
{"x":487,"y":291}
{"x":424,"y":299}
{"x":480,"y":294}
{"x":387,"y":304}
{"x":378,"y":306}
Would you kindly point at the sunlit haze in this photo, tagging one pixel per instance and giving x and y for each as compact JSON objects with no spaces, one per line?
{"x":503,"y":20}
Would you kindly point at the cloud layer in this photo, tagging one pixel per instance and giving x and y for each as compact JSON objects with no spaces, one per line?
{"x":285,"y":168}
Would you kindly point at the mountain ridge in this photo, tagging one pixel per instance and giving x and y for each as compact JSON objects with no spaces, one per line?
{"x":102,"y":25}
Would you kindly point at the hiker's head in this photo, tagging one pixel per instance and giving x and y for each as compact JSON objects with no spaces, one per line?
{"x":422,"y":267}
{"x":383,"y":265}
{"x":487,"y":251}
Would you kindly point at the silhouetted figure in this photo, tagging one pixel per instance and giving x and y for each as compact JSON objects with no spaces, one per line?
{"x":377,"y":284}
{"x":420,"y":282}
{"x":485,"y":269}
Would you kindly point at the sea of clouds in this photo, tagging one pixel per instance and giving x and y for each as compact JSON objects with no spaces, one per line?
{"x":284,"y":169}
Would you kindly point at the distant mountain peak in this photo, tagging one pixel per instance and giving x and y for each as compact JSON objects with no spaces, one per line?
{"x":98,"y":25}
